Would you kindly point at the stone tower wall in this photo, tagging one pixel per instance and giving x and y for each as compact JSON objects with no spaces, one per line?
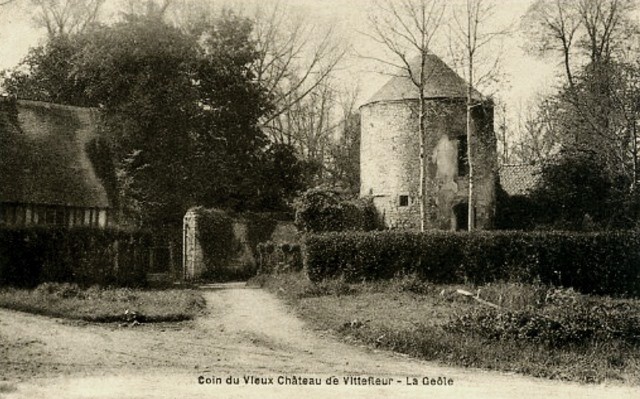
{"x":390,"y":162}
{"x":387,"y":161}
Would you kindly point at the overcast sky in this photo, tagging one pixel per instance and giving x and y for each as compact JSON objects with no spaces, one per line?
{"x":525,"y":75}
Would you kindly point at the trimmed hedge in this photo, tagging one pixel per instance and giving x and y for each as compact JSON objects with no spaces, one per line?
{"x":599,"y":263}
{"x":36,"y":254}
{"x":322,"y":210}
{"x":276,"y":258}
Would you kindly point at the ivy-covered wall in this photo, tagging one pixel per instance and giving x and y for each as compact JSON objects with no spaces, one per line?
{"x":219,"y":246}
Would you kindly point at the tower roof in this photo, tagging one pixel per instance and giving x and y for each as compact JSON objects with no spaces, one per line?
{"x":440,"y":82}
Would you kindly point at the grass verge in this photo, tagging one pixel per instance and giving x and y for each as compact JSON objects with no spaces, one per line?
{"x":538,"y":331}
{"x":105,"y":305}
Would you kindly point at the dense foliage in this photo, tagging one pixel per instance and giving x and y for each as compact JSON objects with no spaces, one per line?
{"x":33,"y":255}
{"x":578,"y":192}
{"x":180,"y":111}
{"x":278,"y":257}
{"x":557,"y":327}
{"x":575,"y":192}
{"x":323,"y":210}
{"x":229,"y":254}
{"x":516,"y":212}
{"x":216,"y":237}
{"x":587,"y":131}
{"x":602,"y":263}
{"x":260,"y":227}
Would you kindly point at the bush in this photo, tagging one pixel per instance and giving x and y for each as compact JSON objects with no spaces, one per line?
{"x":600,"y":263}
{"x":99,"y":304}
{"x":227,"y":254}
{"x":276,"y":258}
{"x":576,"y":184}
{"x":516,"y":212}
{"x":322,"y":210}
{"x":577,"y":324}
{"x":215,"y":234}
{"x":36,"y":254}
{"x":260,"y":227}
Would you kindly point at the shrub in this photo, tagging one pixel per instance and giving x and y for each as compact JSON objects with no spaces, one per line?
{"x":228,"y":254}
{"x":259,"y":227}
{"x":376,"y":255}
{"x":577,"y":324}
{"x":323,"y":210}
{"x":104,"y":304}
{"x":215,"y":234}
{"x":600,"y":263}
{"x":575,"y":184}
{"x":278,"y":258}
{"x":36,"y":254}
{"x":516,"y":212}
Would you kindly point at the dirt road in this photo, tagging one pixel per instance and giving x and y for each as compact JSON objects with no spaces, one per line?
{"x":247,"y":332}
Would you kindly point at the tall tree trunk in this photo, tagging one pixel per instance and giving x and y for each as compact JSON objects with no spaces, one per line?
{"x":471,"y":210}
{"x":423,"y":188}
{"x":634,"y":154}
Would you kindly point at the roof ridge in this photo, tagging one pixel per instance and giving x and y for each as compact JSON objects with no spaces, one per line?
{"x":50,"y":105}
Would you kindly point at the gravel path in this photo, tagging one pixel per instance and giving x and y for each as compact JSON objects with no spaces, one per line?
{"x":247,"y":332}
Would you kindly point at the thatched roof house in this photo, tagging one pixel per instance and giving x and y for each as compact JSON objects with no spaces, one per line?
{"x":46,"y":176}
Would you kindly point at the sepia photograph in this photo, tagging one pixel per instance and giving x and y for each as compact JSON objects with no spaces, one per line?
{"x":319,"y":198}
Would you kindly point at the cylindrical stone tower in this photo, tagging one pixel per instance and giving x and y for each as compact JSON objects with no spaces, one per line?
{"x":390,"y":151}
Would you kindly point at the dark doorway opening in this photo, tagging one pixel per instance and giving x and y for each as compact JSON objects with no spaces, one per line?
{"x":461,"y":212}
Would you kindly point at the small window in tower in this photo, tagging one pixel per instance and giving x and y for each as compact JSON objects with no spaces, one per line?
{"x":463,"y":161}
{"x":404,"y":200}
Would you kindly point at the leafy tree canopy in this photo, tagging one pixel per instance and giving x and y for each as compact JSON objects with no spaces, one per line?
{"x":181,"y":110}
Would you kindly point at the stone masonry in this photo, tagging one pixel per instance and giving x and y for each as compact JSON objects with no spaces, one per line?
{"x":390,"y":165}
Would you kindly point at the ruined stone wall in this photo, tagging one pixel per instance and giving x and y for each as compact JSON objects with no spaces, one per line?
{"x":390,"y":162}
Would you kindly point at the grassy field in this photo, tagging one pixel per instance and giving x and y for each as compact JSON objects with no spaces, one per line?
{"x":538,"y":331}
{"x":105,"y":304}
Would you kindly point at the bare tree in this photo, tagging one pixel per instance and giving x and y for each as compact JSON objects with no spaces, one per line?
{"x":405,"y":28}
{"x":150,"y":8}
{"x":309,"y":126}
{"x":596,"y":38}
{"x":295,"y":56}
{"x":296,"y":60}
{"x":61,"y":17}
{"x":471,"y":34}
{"x":607,"y":25}
{"x":535,"y":124}
{"x":552,"y":27}
{"x":581,"y":31}
{"x":344,"y":163}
